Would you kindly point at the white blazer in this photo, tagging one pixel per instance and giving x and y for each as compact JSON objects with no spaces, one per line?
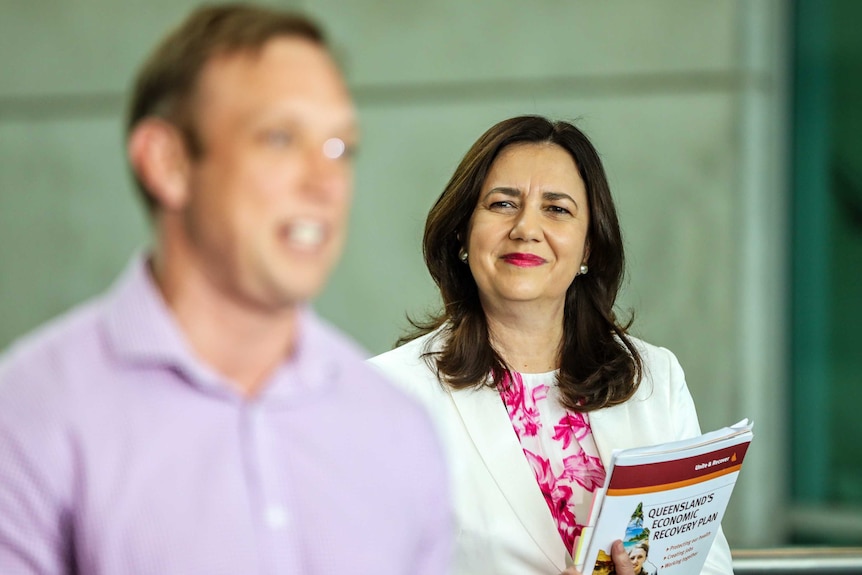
{"x":504,"y":526}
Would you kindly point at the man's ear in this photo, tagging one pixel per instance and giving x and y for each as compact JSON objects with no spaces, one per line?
{"x":159,"y":157}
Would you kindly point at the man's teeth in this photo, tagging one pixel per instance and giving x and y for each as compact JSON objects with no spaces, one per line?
{"x":306,"y":233}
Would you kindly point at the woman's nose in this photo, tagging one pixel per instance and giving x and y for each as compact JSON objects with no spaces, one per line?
{"x":527,"y":226}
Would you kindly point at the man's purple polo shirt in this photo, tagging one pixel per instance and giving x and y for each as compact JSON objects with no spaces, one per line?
{"x":121,"y":453}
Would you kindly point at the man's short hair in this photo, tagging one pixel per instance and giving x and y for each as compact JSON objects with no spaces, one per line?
{"x":166,"y":83}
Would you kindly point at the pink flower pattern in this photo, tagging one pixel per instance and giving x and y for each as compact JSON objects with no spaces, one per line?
{"x":586,"y":470}
{"x":523,"y":411}
{"x":579,"y":473}
{"x":572,"y":426}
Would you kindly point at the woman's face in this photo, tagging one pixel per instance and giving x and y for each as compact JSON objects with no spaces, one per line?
{"x":527,"y":235}
{"x":638,"y":556}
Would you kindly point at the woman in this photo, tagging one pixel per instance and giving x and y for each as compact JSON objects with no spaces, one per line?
{"x":527,"y":372}
{"x":639,"y":555}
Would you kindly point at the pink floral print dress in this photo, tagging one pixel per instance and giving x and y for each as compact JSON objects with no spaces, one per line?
{"x":559,"y":447}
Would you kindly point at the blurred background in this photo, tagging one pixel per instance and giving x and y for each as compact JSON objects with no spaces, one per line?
{"x":731,"y":131}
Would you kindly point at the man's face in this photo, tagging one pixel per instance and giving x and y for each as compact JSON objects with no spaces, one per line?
{"x":269,"y":196}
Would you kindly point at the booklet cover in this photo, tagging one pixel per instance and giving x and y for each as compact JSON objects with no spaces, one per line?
{"x":665,"y":502}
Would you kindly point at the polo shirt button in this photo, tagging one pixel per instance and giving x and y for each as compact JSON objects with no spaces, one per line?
{"x":276,"y":517}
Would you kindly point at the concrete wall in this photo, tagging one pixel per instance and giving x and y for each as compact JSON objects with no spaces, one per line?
{"x":683,"y":99}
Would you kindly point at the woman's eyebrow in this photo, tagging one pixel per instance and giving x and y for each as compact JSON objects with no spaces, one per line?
{"x":506,"y":191}
{"x":558,"y":196}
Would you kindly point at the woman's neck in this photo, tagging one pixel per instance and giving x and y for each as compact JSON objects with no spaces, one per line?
{"x":528,"y":343}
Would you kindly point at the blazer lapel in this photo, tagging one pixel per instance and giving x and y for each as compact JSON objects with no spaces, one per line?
{"x":612,"y":429}
{"x":485,"y":418}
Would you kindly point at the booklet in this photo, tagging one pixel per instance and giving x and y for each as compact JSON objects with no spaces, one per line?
{"x":665,"y":502}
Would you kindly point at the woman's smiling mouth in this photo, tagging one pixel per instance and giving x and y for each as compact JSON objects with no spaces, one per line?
{"x":524,"y":260}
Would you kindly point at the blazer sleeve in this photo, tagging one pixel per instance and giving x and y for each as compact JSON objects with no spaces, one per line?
{"x":682,"y":404}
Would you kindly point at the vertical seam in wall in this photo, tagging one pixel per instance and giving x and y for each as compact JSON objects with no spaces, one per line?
{"x":761,"y":268}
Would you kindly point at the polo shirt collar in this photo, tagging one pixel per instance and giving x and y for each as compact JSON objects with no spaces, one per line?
{"x":143,"y":331}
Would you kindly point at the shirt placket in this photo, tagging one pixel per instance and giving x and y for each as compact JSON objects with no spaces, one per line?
{"x":278,"y":532}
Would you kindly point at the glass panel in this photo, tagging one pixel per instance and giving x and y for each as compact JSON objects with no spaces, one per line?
{"x":827,"y":303}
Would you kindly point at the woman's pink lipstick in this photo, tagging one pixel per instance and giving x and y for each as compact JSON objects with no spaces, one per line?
{"x":523,"y":260}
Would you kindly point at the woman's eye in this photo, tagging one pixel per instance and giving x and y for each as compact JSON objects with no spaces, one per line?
{"x":502,"y":204}
{"x":558,"y":210}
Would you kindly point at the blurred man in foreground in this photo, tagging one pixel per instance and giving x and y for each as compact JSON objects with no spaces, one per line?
{"x":198,"y":418}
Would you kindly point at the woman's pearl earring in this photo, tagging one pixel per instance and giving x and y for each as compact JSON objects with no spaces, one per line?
{"x":584,"y":269}
{"x":462,"y":255}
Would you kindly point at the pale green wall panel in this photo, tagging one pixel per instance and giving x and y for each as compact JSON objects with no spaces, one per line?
{"x":68,"y":217}
{"x":69,"y":47}
{"x":451,"y":40}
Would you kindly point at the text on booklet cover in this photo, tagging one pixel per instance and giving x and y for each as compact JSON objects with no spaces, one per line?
{"x":665,"y":502}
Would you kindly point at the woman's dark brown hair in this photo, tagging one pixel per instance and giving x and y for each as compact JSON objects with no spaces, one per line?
{"x":598,"y":365}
